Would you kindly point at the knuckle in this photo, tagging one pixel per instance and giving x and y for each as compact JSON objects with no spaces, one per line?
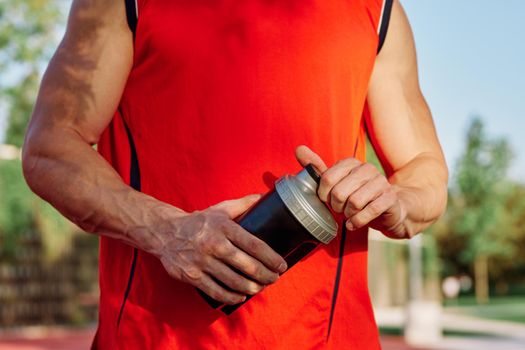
{"x":214,"y":244}
{"x":390,"y":197}
{"x":257,"y":271}
{"x":252,"y":269}
{"x":237,"y":283}
{"x":384,"y":185}
{"x":328,"y":179}
{"x":223,"y":248}
{"x":376,"y":208}
{"x":229,"y":250}
{"x":338,"y":195}
{"x":270,"y":277}
{"x":341,"y":162}
{"x":254,"y":245}
{"x":356,"y":201}
{"x":370,"y":168}
{"x":347,"y":162}
{"x":192,"y":275}
{"x":359,"y":221}
{"x":226,"y":224}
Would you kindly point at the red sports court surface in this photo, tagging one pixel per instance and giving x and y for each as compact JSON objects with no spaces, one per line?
{"x":67,"y":339}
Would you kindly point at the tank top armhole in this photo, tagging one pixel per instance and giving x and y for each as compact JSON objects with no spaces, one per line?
{"x":132,"y":14}
{"x":384,"y":20}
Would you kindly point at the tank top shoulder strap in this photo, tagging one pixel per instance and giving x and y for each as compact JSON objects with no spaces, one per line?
{"x":133,"y":8}
{"x":384,"y":20}
{"x":379,"y":13}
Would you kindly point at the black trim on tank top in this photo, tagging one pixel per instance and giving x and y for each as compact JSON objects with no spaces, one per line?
{"x":383,"y":26}
{"x":134,"y":176}
{"x":131,"y":15}
{"x":337,"y":278}
{"x":340,"y":260}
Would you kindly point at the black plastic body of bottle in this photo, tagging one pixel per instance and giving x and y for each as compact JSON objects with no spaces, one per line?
{"x":271,"y":221}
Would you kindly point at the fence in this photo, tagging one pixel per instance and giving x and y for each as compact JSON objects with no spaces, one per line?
{"x":34,"y":291}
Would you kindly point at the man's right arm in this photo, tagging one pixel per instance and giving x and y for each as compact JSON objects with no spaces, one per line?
{"x":78,"y":96}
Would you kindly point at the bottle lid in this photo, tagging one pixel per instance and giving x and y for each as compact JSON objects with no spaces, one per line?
{"x":299,"y":194}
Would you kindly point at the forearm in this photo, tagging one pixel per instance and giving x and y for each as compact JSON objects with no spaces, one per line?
{"x":421,"y":186}
{"x":67,"y":172}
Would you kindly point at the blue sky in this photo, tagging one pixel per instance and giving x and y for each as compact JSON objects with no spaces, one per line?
{"x":471,"y":60}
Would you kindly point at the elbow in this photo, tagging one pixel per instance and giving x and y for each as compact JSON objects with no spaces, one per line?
{"x":443,"y":203}
{"x":437,"y":182}
{"x":31,"y":155}
{"x":29,"y":163}
{"x":443,"y":193}
{"x":437,"y":209}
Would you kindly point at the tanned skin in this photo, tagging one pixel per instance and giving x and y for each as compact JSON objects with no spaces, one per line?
{"x":414,"y":193}
{"x":81,"y":90}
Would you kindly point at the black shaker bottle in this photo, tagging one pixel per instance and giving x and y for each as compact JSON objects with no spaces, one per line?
{"x":291,"y":219}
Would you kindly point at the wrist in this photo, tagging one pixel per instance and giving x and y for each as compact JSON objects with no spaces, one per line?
{"x":406,"y":197}
{"x":395,"y":223}
{"x":155,"y":220}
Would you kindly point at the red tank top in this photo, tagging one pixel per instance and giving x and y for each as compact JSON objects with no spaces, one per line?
{"x":220,"y":94}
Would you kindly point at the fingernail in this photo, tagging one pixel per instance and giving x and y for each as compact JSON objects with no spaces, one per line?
{"x":255,"y":290}
{"x":282,"y":267}
{"x":349,"y":226}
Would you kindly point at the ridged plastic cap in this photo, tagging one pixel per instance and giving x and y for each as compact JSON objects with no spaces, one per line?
{"x":299,"y":194}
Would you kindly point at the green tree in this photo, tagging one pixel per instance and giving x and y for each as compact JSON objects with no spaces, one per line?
{"x":479,"y":215}
{"x":28,"y":34}
{"x":511,"y":268}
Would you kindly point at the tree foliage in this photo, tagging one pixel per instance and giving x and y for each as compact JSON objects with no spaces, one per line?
{"x":24,"y":215}
{"x":484,"y":222}
{"x":28,"y":34}
{"x":15,"y":206}
{"x":480,"y":183}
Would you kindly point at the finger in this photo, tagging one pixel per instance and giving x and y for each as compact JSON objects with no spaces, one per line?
{"x":372,"y":211}
{"x":232,"y":279}
{"x":256,"y":248}
{"x":249,"y":266}
{"x":306,"y":156}
{"x":332,"y":176}
{"x":220,"y":247}
{"x":367,"y":193}
{"x":349,"y":184}
{"x":236,"y":207}
{"x":214,"y":290}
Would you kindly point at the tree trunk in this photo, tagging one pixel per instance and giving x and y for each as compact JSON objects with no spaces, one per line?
{"x":481,"y":276}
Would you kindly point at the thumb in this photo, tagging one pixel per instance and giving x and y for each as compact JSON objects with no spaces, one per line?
{"x":235,"y":207}
{"x":306,"y":156}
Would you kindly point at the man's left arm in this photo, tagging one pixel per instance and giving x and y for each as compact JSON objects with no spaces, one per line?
{"x":414,"y":192}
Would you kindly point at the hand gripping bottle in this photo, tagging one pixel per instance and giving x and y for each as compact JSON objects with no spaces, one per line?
{"x":291,"y":219}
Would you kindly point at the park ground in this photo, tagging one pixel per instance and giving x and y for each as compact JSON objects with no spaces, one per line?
{"x":498,"y":325}
{"x":68,"y":339}
{"x":61,"y":339}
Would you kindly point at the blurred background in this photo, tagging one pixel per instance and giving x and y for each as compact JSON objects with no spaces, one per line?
{"x":460,"y":285}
